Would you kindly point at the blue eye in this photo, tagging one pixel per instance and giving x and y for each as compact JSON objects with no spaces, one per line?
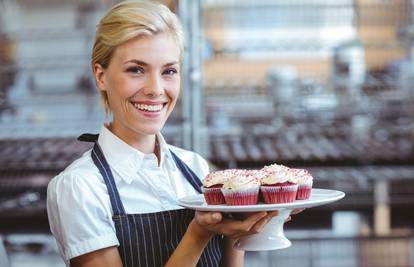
{"x":135,"y":70}
{"x":170,"y":71}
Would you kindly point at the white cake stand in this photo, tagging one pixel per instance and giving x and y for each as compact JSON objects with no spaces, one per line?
{"x":272,"y":236}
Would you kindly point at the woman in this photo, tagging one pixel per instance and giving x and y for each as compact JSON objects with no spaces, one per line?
{"x":116,"y":205}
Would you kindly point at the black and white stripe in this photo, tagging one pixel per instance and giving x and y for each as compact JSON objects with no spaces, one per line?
{"x":150,"y":239}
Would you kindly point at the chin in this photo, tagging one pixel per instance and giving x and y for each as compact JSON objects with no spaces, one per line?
{"x":149,"y":130}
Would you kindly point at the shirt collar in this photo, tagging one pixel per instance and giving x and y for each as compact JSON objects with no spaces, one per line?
{"x":165,"y":152}
{"x":125,"y":159}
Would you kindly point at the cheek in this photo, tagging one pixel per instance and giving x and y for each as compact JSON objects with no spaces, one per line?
{"x":123,"y":88}
{"x":174,"y":92}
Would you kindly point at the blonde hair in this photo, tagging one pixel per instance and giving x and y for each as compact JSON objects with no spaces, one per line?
{"x":128,"y":20}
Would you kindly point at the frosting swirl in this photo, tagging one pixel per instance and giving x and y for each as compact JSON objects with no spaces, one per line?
{"x":276,"y":174}
{"x":215,"y":178}
{"x":234,"y":178}
{"x":242,"y":180}
{"x":220,"y":177}
{"x":302,"y":175}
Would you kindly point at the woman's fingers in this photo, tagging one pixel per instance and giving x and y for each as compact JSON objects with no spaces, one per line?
{"x":237,"y":228}
{"x":258,"y":227}
{"x":217,"y":223}
{"x":296,"y":211}
{"x":251,"y":220}
{"x":272,"y":214}
{"x":206,"y":218}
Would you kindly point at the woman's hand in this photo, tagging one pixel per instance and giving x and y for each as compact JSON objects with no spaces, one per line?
{"x":211,"y":223}
{"x":207,"y":224}
{"x":294,"y":212}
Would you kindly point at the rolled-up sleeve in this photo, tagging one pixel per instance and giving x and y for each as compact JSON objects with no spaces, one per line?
{"x":79,"y":214}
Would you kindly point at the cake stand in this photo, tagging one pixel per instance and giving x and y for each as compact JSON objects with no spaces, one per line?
{"x":272,"y":236}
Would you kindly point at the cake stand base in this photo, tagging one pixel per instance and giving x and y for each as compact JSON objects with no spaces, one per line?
{"x":271,"y":237}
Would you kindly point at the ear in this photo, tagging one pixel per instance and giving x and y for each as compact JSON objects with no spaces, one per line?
{"x":99,"y":73}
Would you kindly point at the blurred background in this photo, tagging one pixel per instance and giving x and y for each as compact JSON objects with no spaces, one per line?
{"x":325,"y":85}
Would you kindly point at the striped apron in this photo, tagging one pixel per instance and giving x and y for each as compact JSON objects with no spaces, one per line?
{"x":149,"y":239}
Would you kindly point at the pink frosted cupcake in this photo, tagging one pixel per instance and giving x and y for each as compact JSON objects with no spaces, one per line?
{"x":242,"y":188}
{"x":212,"y":185}
{"x":305,"y":181}
{"x":279,"y":185}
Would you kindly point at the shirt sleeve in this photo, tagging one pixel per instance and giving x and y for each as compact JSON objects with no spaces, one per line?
{"x":80,"y":215}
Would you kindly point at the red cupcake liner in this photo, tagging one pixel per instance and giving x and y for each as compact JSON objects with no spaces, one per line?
{"x":213,"y":196}
{"x":241,"y":197}
{"x":279,"y":194}
{"x":304,"y":192}
{"x":304,"y":189}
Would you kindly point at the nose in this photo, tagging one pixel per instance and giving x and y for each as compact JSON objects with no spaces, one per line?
{"x":154,"y":85}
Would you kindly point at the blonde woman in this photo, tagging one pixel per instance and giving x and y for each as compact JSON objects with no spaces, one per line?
{"x":116,"y":205}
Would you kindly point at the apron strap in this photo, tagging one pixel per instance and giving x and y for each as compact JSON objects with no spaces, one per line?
{"x":103,"y":166}
{"x":87,"y":137}
{"x":191,"y":177}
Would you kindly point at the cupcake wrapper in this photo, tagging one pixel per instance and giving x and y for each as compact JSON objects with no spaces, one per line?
{"x":241,"y":197}
{"x":304,"y":192}
{"x":279,"y":194}
{"x":213,"y":196}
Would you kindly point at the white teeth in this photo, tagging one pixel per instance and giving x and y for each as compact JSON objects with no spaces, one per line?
{"x":148,"y":107}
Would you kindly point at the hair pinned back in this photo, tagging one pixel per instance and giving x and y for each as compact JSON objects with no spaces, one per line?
{"x":128,"y":20}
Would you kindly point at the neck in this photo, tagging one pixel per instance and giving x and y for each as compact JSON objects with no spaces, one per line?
{"x":142,"y":142}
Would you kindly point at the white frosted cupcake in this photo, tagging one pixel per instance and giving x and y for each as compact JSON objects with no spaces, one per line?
{"x":242,"y":188}
{"x":279,"y":185}
{"x":212,"y":185}
{"x":305,"y":182}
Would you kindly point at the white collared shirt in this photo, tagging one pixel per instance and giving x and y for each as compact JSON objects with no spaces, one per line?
{"x":78,"y":205}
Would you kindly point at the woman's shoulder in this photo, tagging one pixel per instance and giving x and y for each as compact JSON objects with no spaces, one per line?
{"x":80,"y":172}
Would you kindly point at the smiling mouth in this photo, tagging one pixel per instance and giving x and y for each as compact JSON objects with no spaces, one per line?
{"x":148,"y":108}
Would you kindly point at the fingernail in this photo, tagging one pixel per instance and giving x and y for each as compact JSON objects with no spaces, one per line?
{"x":216,"y":216}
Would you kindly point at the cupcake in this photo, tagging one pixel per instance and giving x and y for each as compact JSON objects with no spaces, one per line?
{"x":305,"y":181}
{"x":212,"y":185}
{"x":242,"y":188}
{"x":279,"y":185}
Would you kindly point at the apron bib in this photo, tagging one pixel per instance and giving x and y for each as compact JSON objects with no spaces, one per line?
{"x":149,"y":239}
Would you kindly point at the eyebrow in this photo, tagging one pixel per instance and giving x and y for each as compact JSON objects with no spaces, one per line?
{"x":142,"y":63}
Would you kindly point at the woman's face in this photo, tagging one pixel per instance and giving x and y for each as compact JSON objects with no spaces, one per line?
{"x":142,"y":82}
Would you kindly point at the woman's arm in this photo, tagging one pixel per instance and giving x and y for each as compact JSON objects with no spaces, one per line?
{"x":190,"y":248}
{"x":232,"y":257}
{"x":235,"y":258}
{"x":106,"y":257}
{"x":207,"y":224}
